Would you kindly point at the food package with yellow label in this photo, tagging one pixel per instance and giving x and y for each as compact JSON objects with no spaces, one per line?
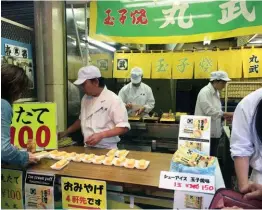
{"x":188,"y":160}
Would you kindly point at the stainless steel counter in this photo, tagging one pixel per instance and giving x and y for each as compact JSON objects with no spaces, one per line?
{"x":151,"y":137}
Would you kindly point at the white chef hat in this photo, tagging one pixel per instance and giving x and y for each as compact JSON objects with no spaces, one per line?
{"x":219,"y":75}
{"x":87,"y":72}
{"x":136,"y":75}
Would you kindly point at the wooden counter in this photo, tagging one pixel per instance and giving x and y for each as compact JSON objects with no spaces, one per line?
{"x":111,"y":174}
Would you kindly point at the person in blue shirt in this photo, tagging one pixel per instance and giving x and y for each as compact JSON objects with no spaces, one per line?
{"x":14,"y":83}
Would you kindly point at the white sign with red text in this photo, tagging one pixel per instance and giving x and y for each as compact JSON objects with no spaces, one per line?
{"x":187,"y":182}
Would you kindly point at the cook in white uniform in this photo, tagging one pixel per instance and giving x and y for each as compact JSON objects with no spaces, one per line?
{"x":103,"y":115}
{"x":209,"y":104}
{"x":137,"y":93}
{"x":246,"y":139}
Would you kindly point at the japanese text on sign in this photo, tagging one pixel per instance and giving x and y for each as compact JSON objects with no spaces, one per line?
{"x":83,"y":193}
{"x":187,"y":182}
{"x":11,"y":189}
{"x":34,"y":121}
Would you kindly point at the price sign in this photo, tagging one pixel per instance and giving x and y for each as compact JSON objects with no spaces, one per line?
{"x":83,"y":194}
{"x":11,"y":189}
{"x":187,"y":182}
{"x":35,"y":121}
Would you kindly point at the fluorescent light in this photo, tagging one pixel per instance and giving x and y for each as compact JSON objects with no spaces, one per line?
{"x":253,"y":37}
{"x":124,"y":48}
{"x":100,"y":44}
{"x":258,"y":41}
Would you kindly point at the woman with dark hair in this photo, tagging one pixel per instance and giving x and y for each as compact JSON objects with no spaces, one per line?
{"x":246,"y":140}
{"x":14,"y":83}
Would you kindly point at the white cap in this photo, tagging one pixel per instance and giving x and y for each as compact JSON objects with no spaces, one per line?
{"x":219,"y":75}
{"x":87,"y":72}
{"x":136,"y":75}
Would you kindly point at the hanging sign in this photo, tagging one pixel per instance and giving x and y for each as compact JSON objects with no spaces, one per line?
{"x":34,"y":121}
{"x":183,"y":65}
{"x":11,"y":189}
{"x":252,"y":62}
{"x":39,"y":191}
{"x":122,"y":65}
{"x":194,"y":132}
{"x":104,"y":63}
{"x":161,"y":65}
{"x":187,"y":182}
{"x":83,"y":194}
{"x":158,"y":22}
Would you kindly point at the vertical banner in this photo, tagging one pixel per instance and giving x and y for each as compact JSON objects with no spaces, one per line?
{"x":122,"y":65}
{"x":205,"y":63}
{"x":230,"y":61}
{"x":252,"y":59}
{"x":11,"y":189}
{"x":83,"y":194}
{"x":39,"y":191}
{"x":161,"y":65}
{"x":142,"y":60}
{"x":194,"y":132}
{"x":104,"y":63}
{"x":36,"y":121}
{"x":183,"y":65}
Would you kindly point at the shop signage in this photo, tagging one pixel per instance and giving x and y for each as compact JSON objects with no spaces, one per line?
{"x":83,"y":194}
{"x":194,"y":132}
{"x":187,"y":182}
{"x":11,"y":189}
{"x":158,"y":22}
{"x":39,"y":191}
{"x":16,"y":51}
{"x":104,"y":61}
{"x":34,"y":121}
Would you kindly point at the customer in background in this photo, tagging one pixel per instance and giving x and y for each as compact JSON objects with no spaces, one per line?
{"x":209,"y":104}
{"x":246,"y":140}
{"x":137,"y":93}
{"x":103,"y":116}
{"x":14,"y":83}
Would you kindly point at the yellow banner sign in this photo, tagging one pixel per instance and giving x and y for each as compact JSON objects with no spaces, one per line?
{"x":230,"y":61}
{"x":83,"y":194}
{"x":252,"y":59}
{"x":36,"y":121}
{"x":205,"y":63}
{"x":161,"y":65}
{"x":143,"y":61}
{"x":11,"y":189}
{"x":183,"y":65}
{"x":121,"y":65}
{"x":104,"y":63}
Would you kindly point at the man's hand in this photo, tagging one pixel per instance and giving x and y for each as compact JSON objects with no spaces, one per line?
{"x":129,"y":106}
{"x":62,"y":134}
{"x":254,"y":192}
{"x":94,"y":139}
{"x":140,"y":111}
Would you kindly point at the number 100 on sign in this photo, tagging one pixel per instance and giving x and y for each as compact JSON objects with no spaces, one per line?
{"x":35,"y":121}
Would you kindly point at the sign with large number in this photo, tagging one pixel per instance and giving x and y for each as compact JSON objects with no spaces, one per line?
{"x":39,"y":191}
{"x":194,"y":132}
{"x":11,"y":189}
{"x":187,"y":182}
{"x":34,"y":121}
{"x":83,"y":194}
{"x":157,"y":22}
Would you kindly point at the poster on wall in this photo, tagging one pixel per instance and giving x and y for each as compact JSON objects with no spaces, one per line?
{"x":18,"y":54}
{"x":36,"y":122}
{"x":39,"y":191}
{"x":194,"y":132}
{"x":11,"y":189}
{"x":158,"y":22}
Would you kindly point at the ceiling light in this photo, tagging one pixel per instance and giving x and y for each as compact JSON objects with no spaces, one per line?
{"x":258,"y":41}
{"x":100,"y":44}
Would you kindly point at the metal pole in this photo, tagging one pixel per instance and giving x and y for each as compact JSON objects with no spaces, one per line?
{"x":77,"y":34}
{"x":86,"y":35}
